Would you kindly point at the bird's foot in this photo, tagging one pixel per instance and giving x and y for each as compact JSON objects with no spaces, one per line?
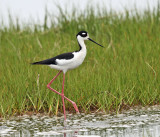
{"x":76,"y":108}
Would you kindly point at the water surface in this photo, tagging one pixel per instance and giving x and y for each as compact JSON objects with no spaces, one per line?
{"x":144,"y":122}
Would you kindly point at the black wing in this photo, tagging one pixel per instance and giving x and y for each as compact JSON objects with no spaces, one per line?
{"x":50,"y":61}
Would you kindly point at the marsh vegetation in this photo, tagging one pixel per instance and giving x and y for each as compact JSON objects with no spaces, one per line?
{"x":123,"y":74}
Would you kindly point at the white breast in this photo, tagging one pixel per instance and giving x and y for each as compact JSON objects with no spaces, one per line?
{"x":65,"y":65}
{"x":79,"y":56}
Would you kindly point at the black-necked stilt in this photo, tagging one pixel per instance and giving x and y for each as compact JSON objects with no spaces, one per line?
{"x":67,"y":61}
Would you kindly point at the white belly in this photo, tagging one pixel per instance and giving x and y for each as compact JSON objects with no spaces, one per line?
{"x":65,"y":65}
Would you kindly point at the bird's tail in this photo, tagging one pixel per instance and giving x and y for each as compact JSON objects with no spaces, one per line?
{"x":44,"y":62}
{"x":36,"y":63}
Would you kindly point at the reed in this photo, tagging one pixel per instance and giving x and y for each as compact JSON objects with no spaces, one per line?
{"x":123,"y":74}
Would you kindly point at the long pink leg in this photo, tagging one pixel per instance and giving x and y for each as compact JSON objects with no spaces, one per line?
{"x":74,"y":104}
{"x":62,"y":95}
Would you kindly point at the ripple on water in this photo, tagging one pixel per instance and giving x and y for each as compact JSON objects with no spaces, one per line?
{"x":48,"y":133}
{"x":144,"y":122}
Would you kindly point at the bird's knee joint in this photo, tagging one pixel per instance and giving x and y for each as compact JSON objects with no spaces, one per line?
{"x":73,"y":103}
{"x":48,"y":86}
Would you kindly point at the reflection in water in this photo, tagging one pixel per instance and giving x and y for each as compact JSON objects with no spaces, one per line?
{"x":133,"y":123}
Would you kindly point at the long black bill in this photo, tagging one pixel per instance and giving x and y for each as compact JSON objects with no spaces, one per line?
{"x":95,"y":42}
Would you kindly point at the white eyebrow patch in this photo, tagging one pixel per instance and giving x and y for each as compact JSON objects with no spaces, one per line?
{"x":83,"y":33}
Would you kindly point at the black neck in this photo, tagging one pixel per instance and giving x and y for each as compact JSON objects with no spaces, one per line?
{"x":79,"y":48}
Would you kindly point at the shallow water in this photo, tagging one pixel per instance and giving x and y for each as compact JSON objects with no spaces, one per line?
{"x":144,"y":122}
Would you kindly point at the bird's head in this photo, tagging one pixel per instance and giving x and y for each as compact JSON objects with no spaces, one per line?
{"x":83,"y":35}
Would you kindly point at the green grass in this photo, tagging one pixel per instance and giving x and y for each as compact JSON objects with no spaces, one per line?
{"x":125,"y":73}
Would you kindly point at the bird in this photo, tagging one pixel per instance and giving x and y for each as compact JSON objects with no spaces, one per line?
{"x":68,"y":61}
